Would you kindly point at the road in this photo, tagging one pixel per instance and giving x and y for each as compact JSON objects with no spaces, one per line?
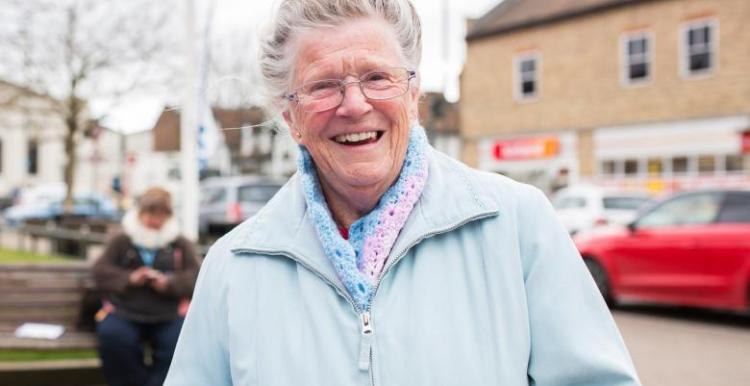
{"x":680,"y":347}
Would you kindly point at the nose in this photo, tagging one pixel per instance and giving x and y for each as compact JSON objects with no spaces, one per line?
{"x":353,"y":101}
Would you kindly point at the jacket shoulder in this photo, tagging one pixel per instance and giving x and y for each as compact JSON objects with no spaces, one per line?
{"x":220,"y":252}
{"x":494,"y":187}
{"x":119,"y":238}
{"x":117,"y":243}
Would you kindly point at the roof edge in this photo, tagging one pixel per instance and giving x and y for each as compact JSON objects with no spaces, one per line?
{"x":551,"y":19}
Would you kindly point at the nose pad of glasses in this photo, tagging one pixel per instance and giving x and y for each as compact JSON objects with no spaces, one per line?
{"x":348,"y":92}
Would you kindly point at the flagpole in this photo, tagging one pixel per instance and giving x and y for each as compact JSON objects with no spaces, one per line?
{"x":446,"y":43}
{"x":189,"y":129}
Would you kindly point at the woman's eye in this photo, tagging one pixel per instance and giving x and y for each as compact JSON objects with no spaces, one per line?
{"x":376,"y":76}
{"x":323,"y":85}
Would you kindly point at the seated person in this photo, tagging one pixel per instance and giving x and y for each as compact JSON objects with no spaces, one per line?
{"x":146,"y":273}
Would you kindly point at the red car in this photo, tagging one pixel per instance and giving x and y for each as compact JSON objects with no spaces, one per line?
{"x":691,"y":249}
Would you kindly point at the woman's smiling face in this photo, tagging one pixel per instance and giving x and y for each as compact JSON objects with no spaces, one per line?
{"x":361,"y":143}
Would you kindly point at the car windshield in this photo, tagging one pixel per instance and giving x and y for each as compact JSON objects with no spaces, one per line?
{"x":569,"y":202}
{"x":257,"y":193}
{"x":624,"y":202}
{"x":690,"y":209}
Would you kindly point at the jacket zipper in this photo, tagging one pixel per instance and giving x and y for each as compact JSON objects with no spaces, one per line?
{"x":365,"y":317}
{"x":365,"y":345}
{"x":365,"y":342}
{"x":387,"y":269}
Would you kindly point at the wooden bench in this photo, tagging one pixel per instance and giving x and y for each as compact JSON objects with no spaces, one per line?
{"x":45,"y":293}
{"x":70,"y":236}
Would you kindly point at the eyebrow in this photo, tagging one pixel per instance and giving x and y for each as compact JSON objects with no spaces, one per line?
{"x":332,"y":72}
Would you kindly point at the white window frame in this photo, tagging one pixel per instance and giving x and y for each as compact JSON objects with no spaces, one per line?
{"x":684,"y":50}
{"x":518,"y":94}
{"x":625,"y":63}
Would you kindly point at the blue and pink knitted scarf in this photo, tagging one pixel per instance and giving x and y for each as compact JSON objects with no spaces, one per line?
{"x":358,"y":261}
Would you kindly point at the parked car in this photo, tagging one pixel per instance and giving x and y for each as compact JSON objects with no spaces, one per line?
{"x":227,"y":201}
{"x":91,"y":206}
{"x":582,"y":207}
{"x":690,"y":249}
{"x":6,"y":202}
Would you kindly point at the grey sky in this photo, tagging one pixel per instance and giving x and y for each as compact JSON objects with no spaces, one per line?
{"x":436,"y":73}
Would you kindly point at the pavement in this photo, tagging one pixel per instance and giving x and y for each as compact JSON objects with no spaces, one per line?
{"x":686,"y":347}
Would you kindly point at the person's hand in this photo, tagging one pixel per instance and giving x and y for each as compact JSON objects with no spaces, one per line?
{"x":140,"y":276}
{"x":158,"y":281}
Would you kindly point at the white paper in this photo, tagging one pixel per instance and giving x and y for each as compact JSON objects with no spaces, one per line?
{"x":40,"y":331}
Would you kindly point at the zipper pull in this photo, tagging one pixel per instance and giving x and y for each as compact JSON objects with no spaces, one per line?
{"x":365,"y":343}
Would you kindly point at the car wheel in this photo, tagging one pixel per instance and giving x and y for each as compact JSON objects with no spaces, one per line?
{"x":601,"y":279}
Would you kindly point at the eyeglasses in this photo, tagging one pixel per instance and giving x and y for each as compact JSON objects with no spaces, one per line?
{"x":321,"y":95}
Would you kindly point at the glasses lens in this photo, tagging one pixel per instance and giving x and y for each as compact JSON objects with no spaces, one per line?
{"x":320,"y":95}
{"x":326,"y":94}
{"x":385,"y":83}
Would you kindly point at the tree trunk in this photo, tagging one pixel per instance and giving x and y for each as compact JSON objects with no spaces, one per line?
{"x":71,"y":125}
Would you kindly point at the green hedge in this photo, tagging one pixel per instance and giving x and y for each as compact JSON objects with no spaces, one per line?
{"x":13,"y":256}
{"x":32,"y":355}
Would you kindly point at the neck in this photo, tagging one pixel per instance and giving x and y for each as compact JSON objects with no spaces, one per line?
{"x":348,"y":204}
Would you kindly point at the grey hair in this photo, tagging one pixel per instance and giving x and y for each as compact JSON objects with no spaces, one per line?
{"x":294,"y":16}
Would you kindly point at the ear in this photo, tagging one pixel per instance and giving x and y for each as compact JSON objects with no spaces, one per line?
{"x":289,"y":119}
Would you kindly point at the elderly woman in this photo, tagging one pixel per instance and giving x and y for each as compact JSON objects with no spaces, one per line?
{"x":145,"y":272}
{"x":382,"y":261}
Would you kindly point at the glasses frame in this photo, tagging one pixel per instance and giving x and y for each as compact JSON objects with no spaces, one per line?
{"x":293,"y":96}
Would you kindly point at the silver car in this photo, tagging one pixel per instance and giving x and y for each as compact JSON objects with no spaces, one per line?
{"x":227,"y":201}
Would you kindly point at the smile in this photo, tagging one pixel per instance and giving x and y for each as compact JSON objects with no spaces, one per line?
{"x":355,"y":139}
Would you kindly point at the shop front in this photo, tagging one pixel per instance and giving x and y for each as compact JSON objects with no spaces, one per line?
{"x":674,"y":156}
{"x":548,"y":161}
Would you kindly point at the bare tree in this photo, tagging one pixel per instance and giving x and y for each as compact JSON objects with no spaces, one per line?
{"x":233,"y":81}
{"x":79,"y":51}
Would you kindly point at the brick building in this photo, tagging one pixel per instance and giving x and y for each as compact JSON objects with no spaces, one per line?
{"x":635,"y":93}
{"x":440,"y":119}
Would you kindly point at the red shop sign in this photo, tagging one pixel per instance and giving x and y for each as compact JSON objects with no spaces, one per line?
{"x":746,"y":142}
{"x":527,"y":148}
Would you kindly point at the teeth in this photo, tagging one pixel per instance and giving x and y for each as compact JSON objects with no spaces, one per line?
{"x":355,"y":137}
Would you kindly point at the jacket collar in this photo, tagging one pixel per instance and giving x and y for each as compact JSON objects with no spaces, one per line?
{"x":450,"y":199}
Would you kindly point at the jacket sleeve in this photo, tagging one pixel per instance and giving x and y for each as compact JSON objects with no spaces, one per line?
{"x":574,"y":340}
{"x":108,"y":275}
{"x":182,"y":281}
{"x":202,"y":353}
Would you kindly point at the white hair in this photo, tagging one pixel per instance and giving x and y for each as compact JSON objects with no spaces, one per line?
{"x":294,"y":16}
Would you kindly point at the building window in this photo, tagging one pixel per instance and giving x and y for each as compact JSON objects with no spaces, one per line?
{"x":608,"y":168}
{"x":679,"y":165}
{"x":631,"y":167}
{"x":699,"y":48}
{"x":526,"y":76}
{"x":636,"y":58}
{"x":654,"y":167}
{"x":733,"y":163}
{"x":32,"y":158}
{"x":706,"y":164}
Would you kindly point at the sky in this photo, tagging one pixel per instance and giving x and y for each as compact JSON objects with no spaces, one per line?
{"x":439,"y":70}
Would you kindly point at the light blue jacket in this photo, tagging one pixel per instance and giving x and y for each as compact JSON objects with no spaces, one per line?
{"x":483,"y":287}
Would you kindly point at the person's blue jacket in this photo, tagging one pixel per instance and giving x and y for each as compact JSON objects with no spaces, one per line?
{"x":482,"y":287}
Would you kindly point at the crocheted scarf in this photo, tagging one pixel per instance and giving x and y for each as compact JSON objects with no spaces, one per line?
{"x":359,"y":260}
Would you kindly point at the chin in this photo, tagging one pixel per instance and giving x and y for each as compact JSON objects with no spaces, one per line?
{"x":367,"y":174}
